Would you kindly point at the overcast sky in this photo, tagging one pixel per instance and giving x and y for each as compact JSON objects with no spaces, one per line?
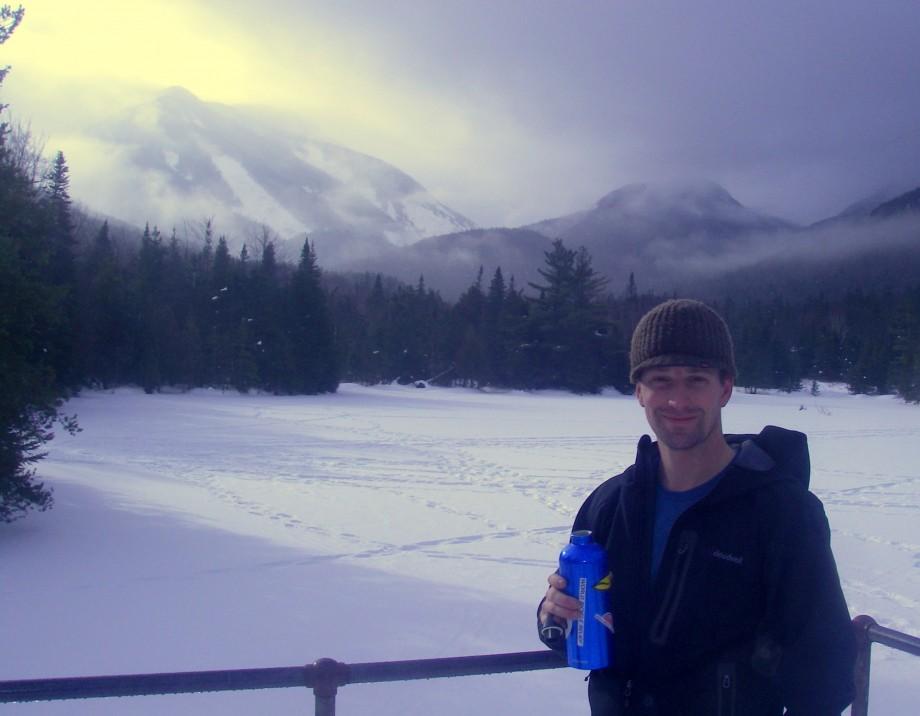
{"x":512,"y":111}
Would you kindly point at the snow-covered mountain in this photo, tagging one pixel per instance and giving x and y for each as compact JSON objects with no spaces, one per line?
{"x":664,"y":233}
{"x":641,"y":212}
{"x":182,"y":159}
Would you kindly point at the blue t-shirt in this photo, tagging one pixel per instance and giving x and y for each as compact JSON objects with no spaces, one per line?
{"x":669,"y":506}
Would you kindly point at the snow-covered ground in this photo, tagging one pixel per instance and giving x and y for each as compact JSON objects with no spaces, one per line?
{"x":213,"y":530}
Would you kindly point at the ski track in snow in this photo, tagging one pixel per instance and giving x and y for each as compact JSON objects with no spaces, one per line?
{"x":369,"y":453}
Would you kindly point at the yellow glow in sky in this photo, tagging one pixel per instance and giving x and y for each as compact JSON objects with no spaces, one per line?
{"x":107,"y":48}
{"x":78,"y":64}
{"x":160,"y":43}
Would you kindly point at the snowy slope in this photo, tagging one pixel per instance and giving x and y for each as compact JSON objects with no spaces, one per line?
{"x":177,"y":159}
{"x":637,"y":214}
{"x":215,"y":530}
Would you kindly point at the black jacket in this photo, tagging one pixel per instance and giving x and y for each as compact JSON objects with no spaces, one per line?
{"x":746,"y":615}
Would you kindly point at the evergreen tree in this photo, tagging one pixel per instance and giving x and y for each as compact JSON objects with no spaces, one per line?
{"x":150,"y":327}
{"x":413,"y":334}
{"x":311,"y":332}
{"x":62,"y":270}
{"x":224,"y":316}
{"x":376,"y":310}
{"x":494,"y":331}
{"x":103,"y":310}
{"x":9,"y":21}
{"x":30,"y":311}
{"x":515,"y":322}
{"x":905,"y":369}
{"x":567,"y":323}
{"x":58,"y":197}
{"x":470,"y":358}
{"x":465,"y":340}
{"x":869,"y":347}
{"x":221,"y":271}
{"x":29,"y":396}
{"x":271,"y":346}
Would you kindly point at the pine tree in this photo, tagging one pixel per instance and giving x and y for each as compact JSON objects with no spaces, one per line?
{"x":870,"y":345}
{"x":376,"y":308}
{"x":494,"y":331}
{"x":224,"y":313}
{"x":515,"y":321}
{"x":29,"y":397}
{"x":149,"y":331}
{"x":63,"y":275}
{"x":310,"y":329}
{"x":9,"y":21}
{"x":220,"y":273}
{"x":905,"y":368}
{"x":58,"y":197}
{"x":566,"y":321}
{"x":466,"y":345}
{"x":104,"y":322}
{"x":271,"y":345}
{"x":30,"y":309}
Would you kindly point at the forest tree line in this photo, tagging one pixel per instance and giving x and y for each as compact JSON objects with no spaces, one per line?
{"x":165,"y":313}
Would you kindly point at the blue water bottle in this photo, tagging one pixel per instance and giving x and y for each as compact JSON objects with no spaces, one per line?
{"x":583,"y":565}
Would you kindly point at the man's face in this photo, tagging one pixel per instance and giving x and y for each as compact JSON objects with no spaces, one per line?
{"x":683,"y":404}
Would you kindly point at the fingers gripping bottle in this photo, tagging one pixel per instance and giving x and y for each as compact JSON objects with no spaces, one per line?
{"x":583,"y":565}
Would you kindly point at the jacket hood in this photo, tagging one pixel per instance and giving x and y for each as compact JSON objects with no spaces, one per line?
{"x":774,"y":453}
{"x":774,"y":447}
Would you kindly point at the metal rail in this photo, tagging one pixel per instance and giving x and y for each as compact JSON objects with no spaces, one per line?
{"x":325,"y":676}
{"x":868,"y":632}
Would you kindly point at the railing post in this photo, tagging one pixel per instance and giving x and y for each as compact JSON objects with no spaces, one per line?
{"x":861,"y":626}
{"x":328,"y":675}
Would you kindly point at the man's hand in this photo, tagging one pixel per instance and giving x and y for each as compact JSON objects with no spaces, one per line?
{"x":558,"y":606}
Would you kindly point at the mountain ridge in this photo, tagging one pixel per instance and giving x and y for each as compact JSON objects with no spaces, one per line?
{"x":189,"y":159}
{"x":195,"y":158}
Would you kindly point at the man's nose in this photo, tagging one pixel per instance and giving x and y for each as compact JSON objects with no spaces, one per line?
{"x":678,"y":399}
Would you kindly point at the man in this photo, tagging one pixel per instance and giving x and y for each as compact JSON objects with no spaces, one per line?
{"x":725,"y":594}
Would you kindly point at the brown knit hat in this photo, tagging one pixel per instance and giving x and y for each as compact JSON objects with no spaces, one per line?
{"x":681,"y":332}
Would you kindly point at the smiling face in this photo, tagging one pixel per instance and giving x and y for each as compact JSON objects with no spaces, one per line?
{"x":683,"y":405}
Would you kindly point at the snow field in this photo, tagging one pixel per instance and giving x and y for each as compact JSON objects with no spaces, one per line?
{"x":213,"y":530}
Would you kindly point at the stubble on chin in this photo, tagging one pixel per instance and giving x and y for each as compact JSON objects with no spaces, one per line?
{"x":695,"y":434}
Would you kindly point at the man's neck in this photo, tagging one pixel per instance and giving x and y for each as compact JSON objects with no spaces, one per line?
{"x":682,"y":470}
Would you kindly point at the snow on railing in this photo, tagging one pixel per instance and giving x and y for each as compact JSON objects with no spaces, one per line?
{"x":325,"y":676}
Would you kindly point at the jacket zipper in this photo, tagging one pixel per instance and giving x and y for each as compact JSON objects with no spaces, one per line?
{"x":726,"y":673}
{"x":662,"y":624}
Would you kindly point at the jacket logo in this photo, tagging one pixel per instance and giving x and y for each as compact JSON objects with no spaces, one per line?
{"x":728,"y":557}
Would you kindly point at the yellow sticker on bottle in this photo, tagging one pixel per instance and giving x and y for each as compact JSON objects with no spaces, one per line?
{"x":604,"y":584}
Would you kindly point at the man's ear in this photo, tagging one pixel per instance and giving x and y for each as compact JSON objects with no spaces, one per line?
{"x":639,"y":394}
{"x":727,"y":385}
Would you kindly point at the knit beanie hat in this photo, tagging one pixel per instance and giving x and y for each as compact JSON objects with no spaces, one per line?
{"x":681,"y":332}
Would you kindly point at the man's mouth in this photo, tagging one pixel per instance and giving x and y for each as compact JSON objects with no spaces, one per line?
{"x":679,"y":419}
